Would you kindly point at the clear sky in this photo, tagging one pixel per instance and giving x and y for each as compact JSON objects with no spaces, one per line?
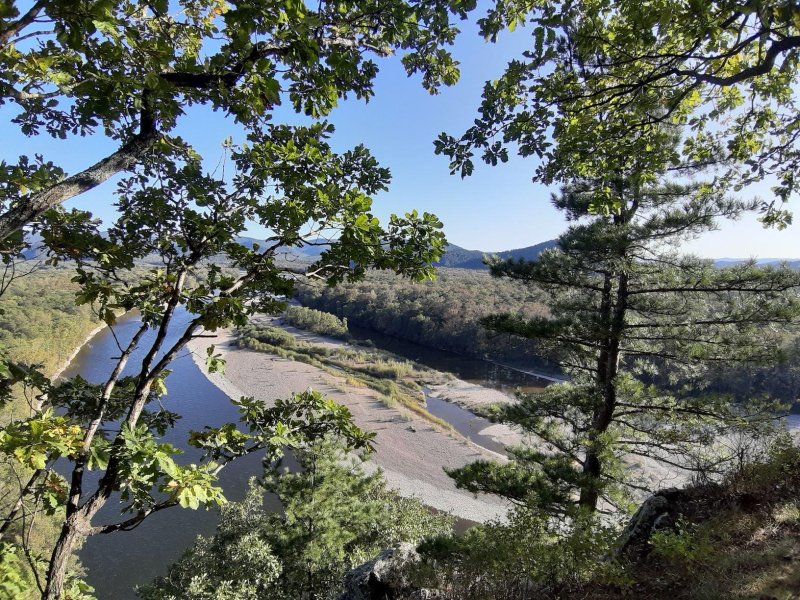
{"x":497,"y":208}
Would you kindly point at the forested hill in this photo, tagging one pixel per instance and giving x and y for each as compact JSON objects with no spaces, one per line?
{"x":455,"y":256}
{"x":461,"y":258}
{"x":763,"y":262}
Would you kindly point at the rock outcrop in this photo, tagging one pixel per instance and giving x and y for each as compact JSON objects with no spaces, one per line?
{"x":659,"y":512}
{"x":386,"y":577}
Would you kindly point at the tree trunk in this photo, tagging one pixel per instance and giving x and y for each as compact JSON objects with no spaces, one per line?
{"x":57,"y":570}
{"x":589,"y":495}
{"x":34,"y":206}
{"x":607,"y":368}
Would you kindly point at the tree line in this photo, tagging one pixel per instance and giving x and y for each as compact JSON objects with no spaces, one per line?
{"x":447,"y":314}
{"x":443,"y":314}
{"x":40,"y":324}
{"x":648,"y":118}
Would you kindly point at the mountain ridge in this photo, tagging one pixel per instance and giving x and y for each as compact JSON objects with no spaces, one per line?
{"x":456,"y":257}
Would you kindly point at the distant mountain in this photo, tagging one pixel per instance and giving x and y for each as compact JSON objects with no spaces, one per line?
{"x":249,"y":242}
{"x":456,"y":257}
{"x":306,"y":252}
{"x":762,"y":262}
{"x":36,"y":249}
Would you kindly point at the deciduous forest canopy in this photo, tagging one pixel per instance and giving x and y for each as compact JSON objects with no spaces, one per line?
{"x":649,"y":120}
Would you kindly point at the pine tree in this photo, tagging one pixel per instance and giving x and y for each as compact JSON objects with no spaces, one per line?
{"x":634,"y":324}
{"x":334,"y":517}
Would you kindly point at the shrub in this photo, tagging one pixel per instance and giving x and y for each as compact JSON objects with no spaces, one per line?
{"x":266,"y":334}
{"x":317,"y":321}
{"x":684,"y":545}
{"x":334,"y":517}
{"x":529,"y":556}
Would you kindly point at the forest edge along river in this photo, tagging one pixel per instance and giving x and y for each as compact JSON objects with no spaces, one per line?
{"x":117,"y":562}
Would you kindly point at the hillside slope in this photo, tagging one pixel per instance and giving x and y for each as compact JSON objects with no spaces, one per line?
{"x":461,"y":258}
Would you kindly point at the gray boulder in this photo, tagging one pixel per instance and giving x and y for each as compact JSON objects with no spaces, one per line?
{"x":386,"y":577}
{"x":659,"y":512}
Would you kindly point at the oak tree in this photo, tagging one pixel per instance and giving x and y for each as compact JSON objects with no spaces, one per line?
{"x":188,"y":221}
{"x":130,"y":71}
{"x":724,"y":72}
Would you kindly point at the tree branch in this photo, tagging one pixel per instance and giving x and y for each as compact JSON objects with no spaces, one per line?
{"x":762,"y":68}
{"x":17,"y":26}
{"x":34,"y":206}
{"x":131,"y":523}
{"x":20,"y":501}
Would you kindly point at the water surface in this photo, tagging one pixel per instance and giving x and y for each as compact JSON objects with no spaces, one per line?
{"x":474,"y":370}
{"x":117,"y":562}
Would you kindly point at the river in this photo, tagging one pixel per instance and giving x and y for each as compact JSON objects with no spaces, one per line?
{"x":117,"y":562}
{"x":474,"y":370}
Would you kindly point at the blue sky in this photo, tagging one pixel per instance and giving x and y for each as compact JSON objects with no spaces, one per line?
{"x":498,"y":208}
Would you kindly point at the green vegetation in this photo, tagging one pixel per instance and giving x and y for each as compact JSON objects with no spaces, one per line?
{"x":528,"y":556}
{"x":637,"y":326}
{"x":316,"y":321}
{"x":129,"y":70}
{"x":635,"y":323}
{"x":647,"y":114}
{"x":724,"y":76}
{"x":40,"y":324}
{"x":645,"y":160}
{"x":734,"y":539}
{"x":92,"y":66}
{"x":779,"y":380}
{"x":39,"y":320}
{"x":334,"y":517}
{"x":444,"y":313}
{"x":398,"y":381}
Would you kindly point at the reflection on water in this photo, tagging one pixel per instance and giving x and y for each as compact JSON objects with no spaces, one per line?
{"x":464,"y":422}
{"x":473,"y":370}
{"x":116,"y":562}
{"x":793,"y":422}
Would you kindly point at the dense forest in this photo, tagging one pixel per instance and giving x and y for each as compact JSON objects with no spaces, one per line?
{"x":447,"y":314}
{"x":40,"y":324}
{"x":444,"y":313}
{"x":39,"y":320}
